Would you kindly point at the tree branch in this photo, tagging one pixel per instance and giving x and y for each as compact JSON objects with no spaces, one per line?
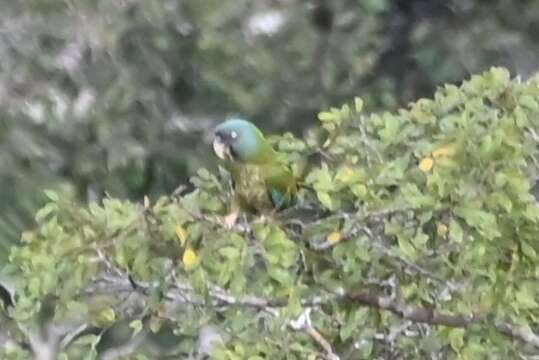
{"x":418,"y":314}
{"x":415,"y":314}
{"x":180,"y":292}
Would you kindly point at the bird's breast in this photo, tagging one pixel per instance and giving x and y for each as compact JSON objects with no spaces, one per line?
{"x":250,"y":188}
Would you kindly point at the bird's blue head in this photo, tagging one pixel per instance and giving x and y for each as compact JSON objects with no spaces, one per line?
{"x":239,"y":140}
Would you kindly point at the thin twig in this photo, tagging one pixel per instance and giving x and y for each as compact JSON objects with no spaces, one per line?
{"x":304,"y":323}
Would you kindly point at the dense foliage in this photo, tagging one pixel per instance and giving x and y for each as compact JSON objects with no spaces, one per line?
{"x":115,"y":97}
{"x":414,"y":237}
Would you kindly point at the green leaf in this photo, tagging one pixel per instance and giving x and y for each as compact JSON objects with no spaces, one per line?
{"x":521,"y":119}
{"x":389,"y":133}
{"x":529,"y":102}
{"x":528,"y":250}
{"x":532,"y":212}
{"x":321,"y":179}
{"x":46,"y":211}
{"x":483,"y":221}
{"x":455,"y":231}
{"x":525,"y":297}
{"x":52,"y":195}
{"x":326,"y":116}
{"x":155,"y":324}
{"x":106,"y":316}
{"x":345,"y":112}
{"x":359,"y":190}
{"x":204,"y":174}
{"x":353,"y":323}
{"x":294,"y":307}
{"x":34,"y":286}
{"x":229,"y":252}
{"x":487,"y":145}
{"x":413,"y":198}
{"x":281,"y":275}
{"x":406,"y":247}
{"x":420,"y":240}
{"x":456,"y":338}
{"x":503,"y":201}
{"x":325,"y":199}
{"x":136,"y":325}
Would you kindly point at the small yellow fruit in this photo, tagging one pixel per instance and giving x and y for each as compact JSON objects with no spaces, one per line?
{"x":426,"y":164}
{"x":441,"y":229}
{"x":189,"y":259}
{"x":334,"y":237}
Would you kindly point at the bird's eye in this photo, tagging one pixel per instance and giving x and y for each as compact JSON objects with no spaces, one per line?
{"x":233,"y":135}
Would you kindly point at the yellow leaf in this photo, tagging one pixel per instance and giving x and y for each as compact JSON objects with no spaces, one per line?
{"x":334,"y":237}
{"x":182,"y":234}
{"x":426,"y":164}
{"x":445,"y":150}
{"x":189,"y":259}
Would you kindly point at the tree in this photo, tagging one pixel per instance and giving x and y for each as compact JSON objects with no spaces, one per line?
{"x":116,"y":97}
{"x":416,"y":238}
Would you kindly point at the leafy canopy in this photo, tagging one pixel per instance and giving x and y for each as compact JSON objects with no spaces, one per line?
{"x":416,"y":236}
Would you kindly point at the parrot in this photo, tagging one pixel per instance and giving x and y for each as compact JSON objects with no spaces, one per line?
{"x":262,"y":180}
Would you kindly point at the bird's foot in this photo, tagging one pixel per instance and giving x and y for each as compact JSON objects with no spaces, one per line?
{"x":230,"y":220}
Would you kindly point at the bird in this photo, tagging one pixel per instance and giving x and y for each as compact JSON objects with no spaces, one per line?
{"x":262,"y":181}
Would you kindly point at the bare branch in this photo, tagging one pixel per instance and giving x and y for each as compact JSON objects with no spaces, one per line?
{"x":518,"y":332}
{"x":72,"y":335}
{"x":43,"y":348}
{"x":415,"y":314}
{"x":429,"y":316}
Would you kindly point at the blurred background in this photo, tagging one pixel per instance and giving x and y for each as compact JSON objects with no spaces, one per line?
{"x":119,"y":97}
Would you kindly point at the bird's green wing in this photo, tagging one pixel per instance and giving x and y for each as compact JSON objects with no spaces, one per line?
{"x":281,"y":185}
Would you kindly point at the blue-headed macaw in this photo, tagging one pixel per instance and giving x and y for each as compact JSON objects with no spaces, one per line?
{"x":262,"y":180}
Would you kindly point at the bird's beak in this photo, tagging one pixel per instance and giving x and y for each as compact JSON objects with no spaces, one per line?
{"x":221,"y":149}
